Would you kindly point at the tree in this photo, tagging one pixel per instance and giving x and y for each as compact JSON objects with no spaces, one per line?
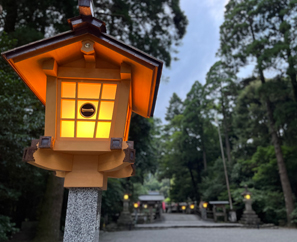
{"x":241,"y":38}
{"x":21,"y":119}
{"x":279,"y":16}
{"x":221,"y":91}
{"x":179,"y":154}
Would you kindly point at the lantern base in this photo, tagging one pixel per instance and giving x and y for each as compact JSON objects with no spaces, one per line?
{"x":83,"y":215}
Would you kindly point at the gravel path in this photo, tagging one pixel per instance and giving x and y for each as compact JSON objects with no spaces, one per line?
{"x":202,"y":235}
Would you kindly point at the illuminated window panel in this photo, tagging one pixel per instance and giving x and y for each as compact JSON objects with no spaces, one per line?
{"x":106,"y":110}
{"x":68,"y":89}
{"x":103,"y":129}
{"x":67,"y":129}
{"x":80,"y":103}
{"x":85,"y":129}
{"x":89,"y":90}
{"x":68,"y":108}
{"x":109,"y":91}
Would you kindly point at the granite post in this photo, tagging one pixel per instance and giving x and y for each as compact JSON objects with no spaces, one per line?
{"x":249,"y":216}
{"x":83,"y":215}
{"x":125,"y":220}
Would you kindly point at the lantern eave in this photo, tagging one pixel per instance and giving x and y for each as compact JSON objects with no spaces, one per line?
{"x":146,"y":70}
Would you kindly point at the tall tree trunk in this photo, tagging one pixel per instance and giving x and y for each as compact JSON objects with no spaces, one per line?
{"x":194,"y":183}
{"x":11,"y":8}
{"x":286,"y":186}
{"x":292,"y":73}
{"x":204,"y":160}
{"x":48,"y":229}
{"x":228,"y":146}
{"x":203,"y":148}
{"x":226,"y":133}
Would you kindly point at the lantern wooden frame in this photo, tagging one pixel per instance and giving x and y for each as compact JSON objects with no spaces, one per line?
{"x":87,"y":53}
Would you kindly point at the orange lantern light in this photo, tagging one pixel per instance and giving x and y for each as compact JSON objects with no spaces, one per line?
{"x":205,"y":204}
{"x":90,"y":83}
{"x":192,"y":206}
{"x":126,"y":197}
{"x":183,"y":207}
{"x":135,"y":205}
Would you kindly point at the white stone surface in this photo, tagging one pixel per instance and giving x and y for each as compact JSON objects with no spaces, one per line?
{"x":83,"y":215}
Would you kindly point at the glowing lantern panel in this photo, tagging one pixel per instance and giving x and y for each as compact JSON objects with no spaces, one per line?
{"x":86,"y":108}
{"x":68,"y":89}
{"x":89,"y":90}
{"x":109,"y":91}
{"x":68,"y":109}
{"x":85,"y":129}
{"x":106,"y":110}
{"x":103,"y":129}
{"x":67,"y":129}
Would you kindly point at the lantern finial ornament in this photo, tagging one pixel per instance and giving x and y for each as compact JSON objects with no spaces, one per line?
{"x":86,"y":7}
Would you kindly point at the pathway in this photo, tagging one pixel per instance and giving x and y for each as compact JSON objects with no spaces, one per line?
{"x":175,"y":220}
{"x":202,"y":235}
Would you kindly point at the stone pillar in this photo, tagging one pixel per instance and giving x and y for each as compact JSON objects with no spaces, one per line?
{"x":125,"y":220}
{"x":83,"y":215}
{"x":203,"y":213}
{"x":151,"y":214}
{"x":249,"y":216}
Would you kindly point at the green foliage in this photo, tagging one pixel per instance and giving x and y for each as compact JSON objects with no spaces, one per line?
{"x":112,"y":199}
{"x":21,"y":120}
{"x":6,"y":228}
{"x":154,"y":27}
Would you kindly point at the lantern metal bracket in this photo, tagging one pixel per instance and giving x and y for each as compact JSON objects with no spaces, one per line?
{"x":116,"y":143}
{"x":29,"y":151}
{"x":129,"y":155}
{"x":46,"y":142}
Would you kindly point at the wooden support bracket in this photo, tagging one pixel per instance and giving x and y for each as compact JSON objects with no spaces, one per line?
{"x":125,"y":71}
{"x":50,"y":67}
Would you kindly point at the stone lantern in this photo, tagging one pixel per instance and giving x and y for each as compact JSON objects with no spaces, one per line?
{"x":249,"y":216}
{"x":125,"y":220}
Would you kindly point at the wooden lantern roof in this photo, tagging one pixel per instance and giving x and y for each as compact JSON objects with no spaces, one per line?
{"x":65,"y":48}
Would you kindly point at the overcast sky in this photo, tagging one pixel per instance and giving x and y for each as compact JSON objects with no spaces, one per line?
{"x":197,"y":54}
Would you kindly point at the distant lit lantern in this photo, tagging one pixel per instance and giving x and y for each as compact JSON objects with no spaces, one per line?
{"x":246,"y":194}
{"x":135,"y":205}
{"x":205,"y":204}
{"x":145,"y":206}
{"x":126,"y":197}
{"x":90,"y":83}
{"x":183,"y":207}
{"x":192,"y":206}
